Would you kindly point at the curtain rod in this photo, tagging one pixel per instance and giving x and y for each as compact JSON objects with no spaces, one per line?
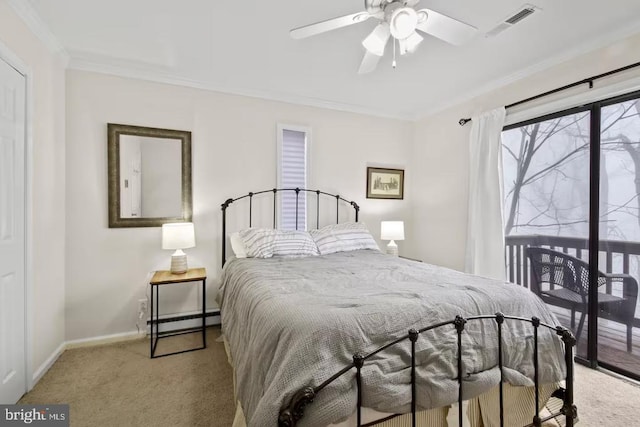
{"x":588,"y":80}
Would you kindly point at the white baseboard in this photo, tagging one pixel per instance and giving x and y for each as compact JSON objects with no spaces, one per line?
{"x":103,"y":339}
{"x":113,"y":338}
{"x":39,"y":373}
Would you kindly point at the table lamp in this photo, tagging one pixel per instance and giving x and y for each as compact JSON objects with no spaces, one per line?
{"x":178,"y":236}
{"x":392,"y":230}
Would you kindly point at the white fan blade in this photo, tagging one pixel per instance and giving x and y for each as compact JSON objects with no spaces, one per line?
{"x":445,"y":28}
{"x":377,"y":40}
{"x":328,"y":25}
{"x":369,"y":62}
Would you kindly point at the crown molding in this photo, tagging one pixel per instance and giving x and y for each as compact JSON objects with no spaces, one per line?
{"x":105,"y":65}
{"x":116,"y":67}
{"x":25,"y":10}
{"x":567,"y":55}
{"x":83,"y":61}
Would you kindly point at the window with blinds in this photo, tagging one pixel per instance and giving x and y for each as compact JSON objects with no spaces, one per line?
{"x":292,"y":173}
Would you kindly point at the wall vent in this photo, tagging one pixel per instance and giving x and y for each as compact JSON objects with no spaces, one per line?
{"x":522,"y":13}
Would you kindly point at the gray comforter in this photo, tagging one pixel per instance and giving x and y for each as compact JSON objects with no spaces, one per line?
{"x":292,"y":322}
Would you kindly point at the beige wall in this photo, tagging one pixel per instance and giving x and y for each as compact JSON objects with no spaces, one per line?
{"x":97,"y":274}
{"x":440,"y":153}
{"x":48,"y":183}
{"x":234,"y":151}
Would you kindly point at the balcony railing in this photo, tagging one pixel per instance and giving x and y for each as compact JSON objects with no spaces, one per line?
{"x":615,"y":256}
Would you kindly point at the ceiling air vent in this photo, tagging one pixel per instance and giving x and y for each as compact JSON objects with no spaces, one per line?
{"x":520,"y":15}
{"x":514,"y":18}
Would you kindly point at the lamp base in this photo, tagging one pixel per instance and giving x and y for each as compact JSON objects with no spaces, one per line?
{"x":179,"y":262}
{"x":392,"y":248}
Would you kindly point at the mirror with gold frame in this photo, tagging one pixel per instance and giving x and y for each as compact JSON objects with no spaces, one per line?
{"x":149,"y":176}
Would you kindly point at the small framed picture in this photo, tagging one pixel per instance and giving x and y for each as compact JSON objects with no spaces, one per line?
{"x":385,"y":183}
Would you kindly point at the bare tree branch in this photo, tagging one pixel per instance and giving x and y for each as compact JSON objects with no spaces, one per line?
{"x":555,"y":164}
{"x":582,"y":221}
{"x":544,"y":200}
{"x":624,"y":205}
{"x":511,"y":152}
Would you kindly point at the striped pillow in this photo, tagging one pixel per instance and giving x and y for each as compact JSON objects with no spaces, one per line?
{"x":348,"y":236}
{"x":266,"y":243}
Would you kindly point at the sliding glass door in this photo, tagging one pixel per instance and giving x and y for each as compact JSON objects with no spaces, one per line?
{"x":619,"y":232}
{"x":546,"y":183}
{"x":572,"y":234}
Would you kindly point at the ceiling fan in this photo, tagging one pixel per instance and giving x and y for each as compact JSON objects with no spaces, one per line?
{"x":398,"y":18}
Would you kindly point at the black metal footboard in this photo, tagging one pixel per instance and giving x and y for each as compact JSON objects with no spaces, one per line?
{"x":294,"y":411}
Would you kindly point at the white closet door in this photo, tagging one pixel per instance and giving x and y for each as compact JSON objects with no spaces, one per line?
{"x":12,"y":234}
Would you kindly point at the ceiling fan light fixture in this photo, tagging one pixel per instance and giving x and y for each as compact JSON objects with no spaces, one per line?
{"x":403,"y":22}
{"x":411,"y":43}
{"x":377,"y":40}
{"x":398,"y":18}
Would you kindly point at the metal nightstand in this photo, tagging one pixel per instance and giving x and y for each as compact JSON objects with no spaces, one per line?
{"x":164,"y":277}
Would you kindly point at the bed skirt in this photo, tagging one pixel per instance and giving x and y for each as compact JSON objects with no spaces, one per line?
{"x":481,"y":411}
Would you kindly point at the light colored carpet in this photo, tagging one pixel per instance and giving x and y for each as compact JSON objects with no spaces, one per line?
{"x":118,"y":385}
{"x":604,"y":400}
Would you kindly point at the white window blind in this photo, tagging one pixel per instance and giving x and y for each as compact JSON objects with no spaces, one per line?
{"x":292,"y":170}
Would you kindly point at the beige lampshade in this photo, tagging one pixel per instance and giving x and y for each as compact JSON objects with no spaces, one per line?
{"x":392,"y":230}
{"x":178,"y":235}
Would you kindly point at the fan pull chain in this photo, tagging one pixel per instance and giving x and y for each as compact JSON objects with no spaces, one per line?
{"x":393,"y":64}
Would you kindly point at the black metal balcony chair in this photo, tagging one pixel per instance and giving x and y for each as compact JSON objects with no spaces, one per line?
{"x":569,"y":277}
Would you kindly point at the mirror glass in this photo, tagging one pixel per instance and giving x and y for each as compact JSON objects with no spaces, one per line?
{"x":149,"y":176}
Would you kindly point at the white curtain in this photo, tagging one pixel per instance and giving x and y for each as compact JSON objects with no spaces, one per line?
{"x":485,"y":231}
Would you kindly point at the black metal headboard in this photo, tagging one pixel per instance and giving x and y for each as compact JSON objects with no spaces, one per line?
{"x":250,"y":195}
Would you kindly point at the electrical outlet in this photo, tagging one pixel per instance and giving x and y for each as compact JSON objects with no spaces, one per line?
{"x":142,"y":305}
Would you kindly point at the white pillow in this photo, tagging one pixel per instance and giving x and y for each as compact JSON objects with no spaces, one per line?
{"x":348,"y":236}
{"x":266,"y":243}
{"x":238,"y":245}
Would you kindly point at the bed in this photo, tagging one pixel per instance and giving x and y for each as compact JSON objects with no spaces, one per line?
{"x":357,"y":336}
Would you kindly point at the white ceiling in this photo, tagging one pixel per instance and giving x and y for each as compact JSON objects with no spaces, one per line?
{"x":244,"y":47}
